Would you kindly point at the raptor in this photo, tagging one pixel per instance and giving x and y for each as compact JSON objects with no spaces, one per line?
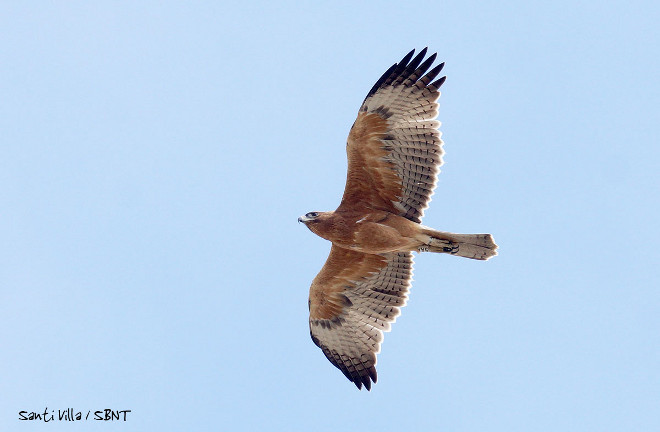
{"x":394,"y":153}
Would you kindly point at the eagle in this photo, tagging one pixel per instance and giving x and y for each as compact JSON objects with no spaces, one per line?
{"x":394,"y":153}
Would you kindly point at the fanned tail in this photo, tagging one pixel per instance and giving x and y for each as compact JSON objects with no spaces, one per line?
{"x":473,"y":246}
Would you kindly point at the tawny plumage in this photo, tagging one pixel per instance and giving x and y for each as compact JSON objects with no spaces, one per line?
{"x":394,"y":154}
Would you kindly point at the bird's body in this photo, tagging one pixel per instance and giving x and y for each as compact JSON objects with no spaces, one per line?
{"x":394,"y":154}
{"x":368,"y":231}
{"x":379,"y":231}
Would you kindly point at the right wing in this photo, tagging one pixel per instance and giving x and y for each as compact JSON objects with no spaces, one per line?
{"x":352,"y":301}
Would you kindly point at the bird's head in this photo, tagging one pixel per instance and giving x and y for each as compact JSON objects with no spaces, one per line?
{"x":317,"y":222}
{"x":310,"y":217}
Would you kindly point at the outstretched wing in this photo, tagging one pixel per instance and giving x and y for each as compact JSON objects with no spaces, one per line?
{"x":394,"y":147}
{"x":352,"y":301}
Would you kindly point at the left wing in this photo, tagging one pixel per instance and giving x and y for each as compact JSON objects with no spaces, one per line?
{"x":352,"y":301}
{"x":394,"y":148}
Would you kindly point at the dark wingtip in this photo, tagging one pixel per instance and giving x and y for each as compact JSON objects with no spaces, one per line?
{"x":367,"y":384}
{"x":410,"y":69}
{"x":404,"y":61}
{"x":422,"y":54}
{"x":439,"y":82}
{"x":362,"y":380}
{"x":365,"y":380}
{"x":373,"y":374}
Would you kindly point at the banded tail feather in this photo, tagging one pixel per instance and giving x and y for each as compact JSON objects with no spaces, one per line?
{"x":473,"y":246}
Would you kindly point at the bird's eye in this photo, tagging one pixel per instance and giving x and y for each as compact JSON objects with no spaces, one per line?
{"x":312,"y":214}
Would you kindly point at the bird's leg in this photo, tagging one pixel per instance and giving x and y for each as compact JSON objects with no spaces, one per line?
{"x":447,"y":246}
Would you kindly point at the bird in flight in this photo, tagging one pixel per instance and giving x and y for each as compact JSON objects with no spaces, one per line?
{"x":394,"y":154}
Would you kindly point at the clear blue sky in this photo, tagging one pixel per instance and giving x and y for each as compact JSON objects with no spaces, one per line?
{"x":154,"y":158}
